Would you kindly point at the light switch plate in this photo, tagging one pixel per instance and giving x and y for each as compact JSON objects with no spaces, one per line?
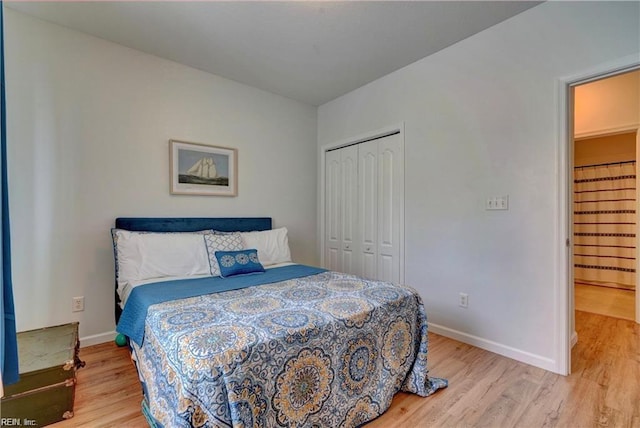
{"x":497,"y":203}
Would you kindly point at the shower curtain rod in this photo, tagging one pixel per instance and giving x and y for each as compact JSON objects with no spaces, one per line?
{"x":604,"y":164}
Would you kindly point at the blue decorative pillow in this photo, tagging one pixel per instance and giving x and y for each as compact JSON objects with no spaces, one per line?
{"x":238,"y":262}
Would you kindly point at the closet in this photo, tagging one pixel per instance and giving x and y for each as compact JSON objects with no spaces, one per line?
{"x":364,"y":208}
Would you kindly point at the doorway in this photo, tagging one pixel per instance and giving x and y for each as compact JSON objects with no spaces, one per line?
{"x":606,"y":116}
{"x":566,"y":335}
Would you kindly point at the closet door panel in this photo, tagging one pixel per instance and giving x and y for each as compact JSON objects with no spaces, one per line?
{"x":387,"y":270}
{"x":368,"y":206}
{"x":349,"y":212}
{"x":333,"y":238}
{"x":386,"y":198}
{"x":369,"y":269}
{"x":390,"y":184}
{"x":368,"y":198}
{"x":331,"y":259}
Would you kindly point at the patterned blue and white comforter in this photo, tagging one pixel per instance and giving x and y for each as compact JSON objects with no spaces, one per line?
{"x":324,"y":350}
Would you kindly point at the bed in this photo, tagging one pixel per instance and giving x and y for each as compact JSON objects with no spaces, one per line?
{"x":288,"y":345}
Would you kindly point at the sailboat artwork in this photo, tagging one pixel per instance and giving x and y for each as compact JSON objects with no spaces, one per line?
{"x":203,"y":172}
{"x":203,"y":169}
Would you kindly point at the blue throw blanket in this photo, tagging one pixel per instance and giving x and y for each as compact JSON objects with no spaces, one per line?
{"x":134,"y":315}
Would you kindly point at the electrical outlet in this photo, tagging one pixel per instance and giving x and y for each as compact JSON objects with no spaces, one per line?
{"x":463,"y":302}
{"x":77,"y":304}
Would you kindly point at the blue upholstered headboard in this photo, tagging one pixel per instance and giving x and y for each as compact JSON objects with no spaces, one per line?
{"x":192,"y":224}
{"x":188,"y":224}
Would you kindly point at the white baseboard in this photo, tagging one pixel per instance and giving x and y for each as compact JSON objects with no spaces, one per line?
{"x":498,"y":348}
{"x":97,"y":339}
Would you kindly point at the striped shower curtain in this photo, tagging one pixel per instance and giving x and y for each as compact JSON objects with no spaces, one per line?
{"x":604,"y":219}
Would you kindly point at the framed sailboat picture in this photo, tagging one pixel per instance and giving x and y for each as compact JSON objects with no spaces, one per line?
{"x":202,"y":169}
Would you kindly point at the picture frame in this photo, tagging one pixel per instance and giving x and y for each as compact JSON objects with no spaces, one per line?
{"x":202,"y":169}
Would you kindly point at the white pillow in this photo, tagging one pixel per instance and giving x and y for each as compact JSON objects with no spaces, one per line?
{"x":272,"y":245}
{"x":147,"y":255}
{"x":220,"y":242}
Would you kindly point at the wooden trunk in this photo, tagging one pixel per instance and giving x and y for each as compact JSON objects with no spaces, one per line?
{"x":48,"y":360}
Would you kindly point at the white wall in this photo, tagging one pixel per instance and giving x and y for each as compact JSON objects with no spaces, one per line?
{"x":88,"y":129}
{"x":481,"y":119}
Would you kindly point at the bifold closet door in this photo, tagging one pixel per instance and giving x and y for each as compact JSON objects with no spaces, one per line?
{"x":380,"y":206}
{"x":341,"y":210}
{"x":349,"y":212}
{"x":368,"y":207}
{"x":363,"y":208}
{"x":332,"y":239}
{"x":390,"y":207}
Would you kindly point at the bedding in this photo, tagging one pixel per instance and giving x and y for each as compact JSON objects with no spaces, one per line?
{"x":241,"y":262}
{"x":132,"y":321}
{"x":124,"y":294}
{"x":272,"y":245}
{"x":320,"y":349}
{"x":142,"y":256}
{"x":291,"y":346}
{"x":221,"y":242}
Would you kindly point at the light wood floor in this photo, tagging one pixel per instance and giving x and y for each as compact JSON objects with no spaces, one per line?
{"x":485,"y":389}
{"x":613,"y":302}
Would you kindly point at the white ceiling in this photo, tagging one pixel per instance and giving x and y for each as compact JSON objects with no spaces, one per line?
{"x":309,"y":51}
